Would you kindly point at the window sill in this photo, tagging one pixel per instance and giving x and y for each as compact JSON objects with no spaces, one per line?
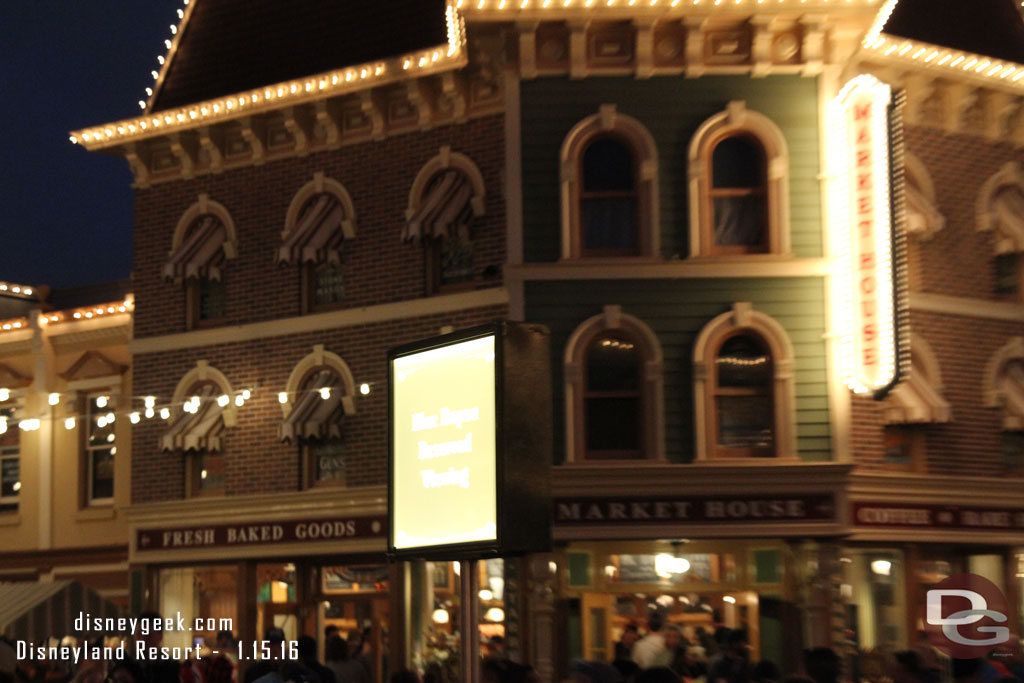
{"x":10,"y":519}
{"x":732,"y":258}
{"x":95,"y":513}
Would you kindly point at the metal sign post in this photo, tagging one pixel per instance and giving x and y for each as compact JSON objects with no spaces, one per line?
{"x":470,"y":586}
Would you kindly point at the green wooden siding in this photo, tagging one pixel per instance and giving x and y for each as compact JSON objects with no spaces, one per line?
{"x":672,"y":108}
{"x":677,"y":310}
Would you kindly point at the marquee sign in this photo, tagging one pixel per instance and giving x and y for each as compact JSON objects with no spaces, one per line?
{"x":863,"y":196}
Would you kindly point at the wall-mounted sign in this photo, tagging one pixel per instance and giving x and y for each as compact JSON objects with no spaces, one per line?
{"x":326,"y":529}
{"x":870,"y":514}
{"x":470,"y":443}
{"x":767,"y":509}
{"x":865,"y":190}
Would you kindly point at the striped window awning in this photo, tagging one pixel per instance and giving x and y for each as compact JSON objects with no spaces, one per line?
{"x":445,"y":210}
{"x":922,"y":216}
{"x":315,"y":417}
{"x":38,"y":611}
{"x":198,"y":431}
{"x":318,"y":234}
{"x":916,"y":401}
{"x":1011,"y":387}
{"x":201,"y":253}
{"x":1008,"y":209}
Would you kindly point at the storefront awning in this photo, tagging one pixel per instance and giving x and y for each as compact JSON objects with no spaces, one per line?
{"x":199,"y":430}
{"x":314,"y":417}
{"x":318,"y":235}
{"x":445,"y":208}
{"x":201,"y":252}
{"x":38,"y":611}
{"x":922,"y":216}
{"x":1009,"y":212}
{"x":916,"y":401}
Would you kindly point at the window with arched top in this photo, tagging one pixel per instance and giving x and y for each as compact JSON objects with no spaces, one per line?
{"x":739,"y":196}
{"x":203,"y":241}
{"x":320,"y":219}
{"x":320,"y":394}
{"x":743,"y":387}
{"x":609,"y":188}
{"x":613,"y":390}
{"x":1000,"y":209}
{"x":446,"y":198}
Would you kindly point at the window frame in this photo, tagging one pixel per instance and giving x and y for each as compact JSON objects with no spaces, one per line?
{"x":609,"y":123}
{"x":715,"y":249}
{"x":652,"y":437}
{"x":204,"y":206}
{"x":12,"y":502}
{"x":587,"y":393}
{"x":743,"y":319}
{"x":88,"y":451}
{"x":194,"y":303}
{"x":717,"y":391}
{"x":308,"y":284}
{"x":737,"y":120}
{"x":634,"y":194}
{"x":308,"y":458}
{"x":1007,"y":241}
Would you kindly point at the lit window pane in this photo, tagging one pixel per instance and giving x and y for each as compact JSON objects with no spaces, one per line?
{"x":329,"y":287}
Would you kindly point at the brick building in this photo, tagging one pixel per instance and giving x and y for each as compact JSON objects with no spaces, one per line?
{"x":665,"y":186}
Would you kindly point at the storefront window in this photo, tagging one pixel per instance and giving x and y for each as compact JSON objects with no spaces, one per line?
{"x":276,"y":599}
{"x":207,"y":594}
{"x":354,"y":599}
{"x":875,"y":594}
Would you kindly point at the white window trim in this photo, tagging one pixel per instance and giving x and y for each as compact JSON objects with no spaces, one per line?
{"x":926,"y":377}
{"x":995,"y":397}
{"x":446,"y":159}
{"x":917,"y":179}
{"x":653,"y":424}
{"x":319,"y":358}
{"x":744,"y":317}
{"x":736,"y":119}
{"x":320,"y":184}
{"x":203,"y":372}
{"x":642,"y":144}
{"x":1010,"y":174}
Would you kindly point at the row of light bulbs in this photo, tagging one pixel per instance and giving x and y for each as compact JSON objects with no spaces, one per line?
{"x":65,"y":316}
{"x":548,"y":4}
{"x":151,"y":410}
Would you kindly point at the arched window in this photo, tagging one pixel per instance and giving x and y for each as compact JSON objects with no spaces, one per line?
{"x":319,"y":395}
{"x":613,"y":390}
{"x":609,"y":188}
{"x":1001,"y":209}
{"x":203,"y":240}
{"x":743,"y":387}
{"x":321,"y":217}
{"x":202,"y":408}
{"x":739,"y":196}
{"x":446,"y":197}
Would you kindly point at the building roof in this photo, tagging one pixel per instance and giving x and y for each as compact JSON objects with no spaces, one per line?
{"x":229,"y":46}
{"x":88,"y":295}
{"x":993,"y":28}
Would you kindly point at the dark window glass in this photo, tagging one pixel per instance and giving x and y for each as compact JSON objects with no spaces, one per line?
{"x":328,"y":460}
{"x":212,"y":470}
{"x":738,"y":193}
{"x":1007,"y":277}
{"x":212,"y":299}
{"x":608,"y":211}
{"x":100,"y":450}
{"x":1013,"y":451}
{"x":744,"y":422}
{"x":329,"y":286}
{"x":103,"y":473}
{"x":456,"y":260}
{"x":743,"y":362}
{"x":612,"y":398}
{"x":743,"y":400}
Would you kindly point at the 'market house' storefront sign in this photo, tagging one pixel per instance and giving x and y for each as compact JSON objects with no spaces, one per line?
{"x":865,"y":190}
{"x":696,"y":509}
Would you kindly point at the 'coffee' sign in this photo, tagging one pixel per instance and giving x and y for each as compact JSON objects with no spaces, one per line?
{"x":938,"y":517}
{"x":715,"y":510}
{"x":861,"y":211}
{"x":265,"y":533}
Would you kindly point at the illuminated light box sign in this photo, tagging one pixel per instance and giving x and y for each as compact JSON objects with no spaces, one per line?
{"x":471,"y":448}
{"x":866,"y":199}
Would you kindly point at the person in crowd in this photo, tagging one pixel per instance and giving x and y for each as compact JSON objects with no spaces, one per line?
{"x":223,"y":666}
{"x":674,"y":654}
{"x":345,"y":669}
{"x":269,"y":670}
{"x":733,"y":663}
{"x":126,"y":671}
{"x":405,"y":676}
{"x":8,"y":661}
{"x":581,"y":671}
{"x":359,"y":649}
{"x":647,"y":649}
{"x":624,"y":646}
{"x":331,"y":630}
{"x":765,"y":671}
{"x":658,"y":674}
{"x":496,"y":648}
{"x":151,"y":635}
{"x":907,"y":668}
{"x":627,"y":668}
{"x":306,"y":646}
{"x":822,"y":665}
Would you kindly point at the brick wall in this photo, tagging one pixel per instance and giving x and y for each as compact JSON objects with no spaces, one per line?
{"x":957,"y":261}
{"x":377,"y":266}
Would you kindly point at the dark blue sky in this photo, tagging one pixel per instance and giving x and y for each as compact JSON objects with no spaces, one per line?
{"x":64,"y":65}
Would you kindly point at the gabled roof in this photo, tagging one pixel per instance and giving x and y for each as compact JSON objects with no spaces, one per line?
{"x":230,"y":46}
{"x":993,"y":28}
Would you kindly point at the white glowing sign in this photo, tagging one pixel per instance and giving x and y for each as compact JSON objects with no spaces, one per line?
{"x":862,"y":230}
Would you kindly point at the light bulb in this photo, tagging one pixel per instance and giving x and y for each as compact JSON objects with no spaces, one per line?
{"x":53,"y":399}
{"x":3,"y":425}
{"x":150,"y":401}
{"x":101,"y":401}
{"x":485,"y":594}
{"x":150,"y":412}
{"x":195,"y":401}
{"x":325,"y":393}
{"x":17,"y":486}
{"x":440,"y":616}
{"x":239,"y":400}
{"x":282,"y":397}
{"x":729,"y":599}
{"x":246,"y":394}
{"x":101,"y":421}
{"x":5,"y":394}
{"x":69,"y":423}
{"x":165,"y":413}
{"x":134,"y":417}
{"x":364,"y":388}
{"x":223,"y":400}
{"x":110,"y":418}
{"x":202,"y":474}
{"x":110,"y":438}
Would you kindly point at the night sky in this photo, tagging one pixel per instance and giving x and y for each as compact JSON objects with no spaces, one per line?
{"x":64,"y":65}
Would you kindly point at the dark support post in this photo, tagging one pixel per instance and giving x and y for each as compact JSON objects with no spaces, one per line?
{"x":470,"y":587}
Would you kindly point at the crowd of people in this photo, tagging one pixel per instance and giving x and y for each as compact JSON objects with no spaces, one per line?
{"x":663,"y":654}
